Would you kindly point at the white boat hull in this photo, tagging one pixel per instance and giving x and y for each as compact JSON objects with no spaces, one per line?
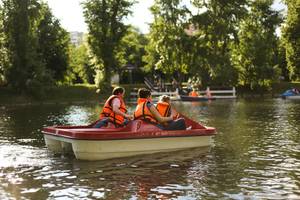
{"x":293,"y":97}
{"x":107,"y":149}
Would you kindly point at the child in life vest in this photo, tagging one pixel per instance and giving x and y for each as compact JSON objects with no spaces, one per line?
{"x":146,"y":111}
{"x":163,"y":106}
{"x":114,"y":110}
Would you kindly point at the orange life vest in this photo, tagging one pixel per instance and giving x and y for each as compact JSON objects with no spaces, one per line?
{"x":193,"y":94}
{"x":141,"y":99}
{"x":143,"y":112}
{"x":163,"y":109}
{"x":107,"y":111}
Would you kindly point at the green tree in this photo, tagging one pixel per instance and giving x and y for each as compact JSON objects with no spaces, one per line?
{"x":130,"y":54}
{"x":37,"y":47}
{"x":151,"y":56}
{"x":132,"y":48}
{"x":168,"y":49}
{"x":81,"y":69}
{"x":26,"y":70}
{"x":3,"y":50}
{"x":53,"y":43}
{"x":106,"y":30}
{"x":254,"y":56}
{"x":291,"y":38}
{"x":281,"y":60}
{"x":217,"y":27}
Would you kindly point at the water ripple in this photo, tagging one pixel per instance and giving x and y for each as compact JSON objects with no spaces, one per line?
{"x":256,"y":155}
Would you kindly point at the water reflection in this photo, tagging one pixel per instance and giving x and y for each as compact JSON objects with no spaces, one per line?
{"x":140,"y":177}
{"x":256,"y":156}
{"x":23,"y":124}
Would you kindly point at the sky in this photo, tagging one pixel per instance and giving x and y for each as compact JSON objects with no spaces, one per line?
{"x":70,"y":14}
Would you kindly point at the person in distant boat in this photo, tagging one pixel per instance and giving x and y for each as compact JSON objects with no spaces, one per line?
{"x":193,"y":93}
{"x":175,"y":84}
{"x":114,"y":110}
{"x":146,"y":111}
{"x":295,"y":91}
{"x":208,"y":93}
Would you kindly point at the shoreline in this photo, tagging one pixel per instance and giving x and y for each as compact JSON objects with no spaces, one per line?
{"x":86,"y":94}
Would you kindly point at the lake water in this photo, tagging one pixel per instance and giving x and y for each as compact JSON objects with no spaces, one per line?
{"x":256,"y":155}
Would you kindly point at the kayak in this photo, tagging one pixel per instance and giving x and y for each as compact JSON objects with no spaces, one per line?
{"x":137,"y":138}
{"x":291,"y":94}
{"x":199,"y":98}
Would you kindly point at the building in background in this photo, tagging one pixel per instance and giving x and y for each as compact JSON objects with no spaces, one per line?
{"x":76,"y":38}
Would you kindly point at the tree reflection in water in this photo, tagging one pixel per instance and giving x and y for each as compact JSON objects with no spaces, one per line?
{"x":142,"y":177}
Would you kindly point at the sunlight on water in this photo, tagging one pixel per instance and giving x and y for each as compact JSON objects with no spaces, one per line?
{"x":18,"y":155}
{"x":76,"y":115}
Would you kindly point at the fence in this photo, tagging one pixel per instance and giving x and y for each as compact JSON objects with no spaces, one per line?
{"x":226,"y":94}
{"x":218,"y":94}
{"x":155,"y":95}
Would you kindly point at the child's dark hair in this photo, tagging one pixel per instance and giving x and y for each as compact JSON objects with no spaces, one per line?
{"x":118,"y":90}
{"x":144,"y":93}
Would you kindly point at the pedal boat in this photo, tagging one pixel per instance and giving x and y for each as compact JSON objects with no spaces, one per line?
{"x":138,"y":137}
{"x":290,"y":94}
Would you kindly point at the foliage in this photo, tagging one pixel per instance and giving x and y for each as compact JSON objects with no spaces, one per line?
{"x":151,"y":56}
{"x":217,"y":27}
{"x":130,"y":55}
{"x":254,"y":56}
{"x":3,"y":50}
{"x":132,"y":48}
{"x":222,"y":43}
{"x":80,"y":66}
{"x":281,"y":60}
{"x":168,"y":49}
{"x":106,"y":30}
{"x":35,"y":45}
{"x":53,"y":43}
{"x":291,"y":38}
{"x":26,"y":67}
{"x":209,"y":44}
{"x":195,"y":44}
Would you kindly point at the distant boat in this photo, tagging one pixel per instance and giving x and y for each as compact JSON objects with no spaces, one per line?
{"x":291,"y":94}
{"x":199,"y":98}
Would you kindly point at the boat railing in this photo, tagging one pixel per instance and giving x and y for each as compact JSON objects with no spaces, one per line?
{"x":155,"y":94}
{"x":150,"y":85}
{"x":218,"y":94}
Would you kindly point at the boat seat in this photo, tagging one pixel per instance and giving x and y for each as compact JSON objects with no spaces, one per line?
{"x":135,"y":125}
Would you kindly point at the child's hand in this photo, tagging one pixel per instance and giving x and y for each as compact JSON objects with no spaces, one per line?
{"x":128,"y":117}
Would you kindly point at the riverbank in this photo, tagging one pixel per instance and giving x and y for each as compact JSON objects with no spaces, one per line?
{"x":88,"y":93}
{"x":274,"y":91}
{"x":79,"y":94}
{"x":55,"y":95}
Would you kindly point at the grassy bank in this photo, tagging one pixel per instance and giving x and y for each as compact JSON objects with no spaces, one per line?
{"x":61,"y":94}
